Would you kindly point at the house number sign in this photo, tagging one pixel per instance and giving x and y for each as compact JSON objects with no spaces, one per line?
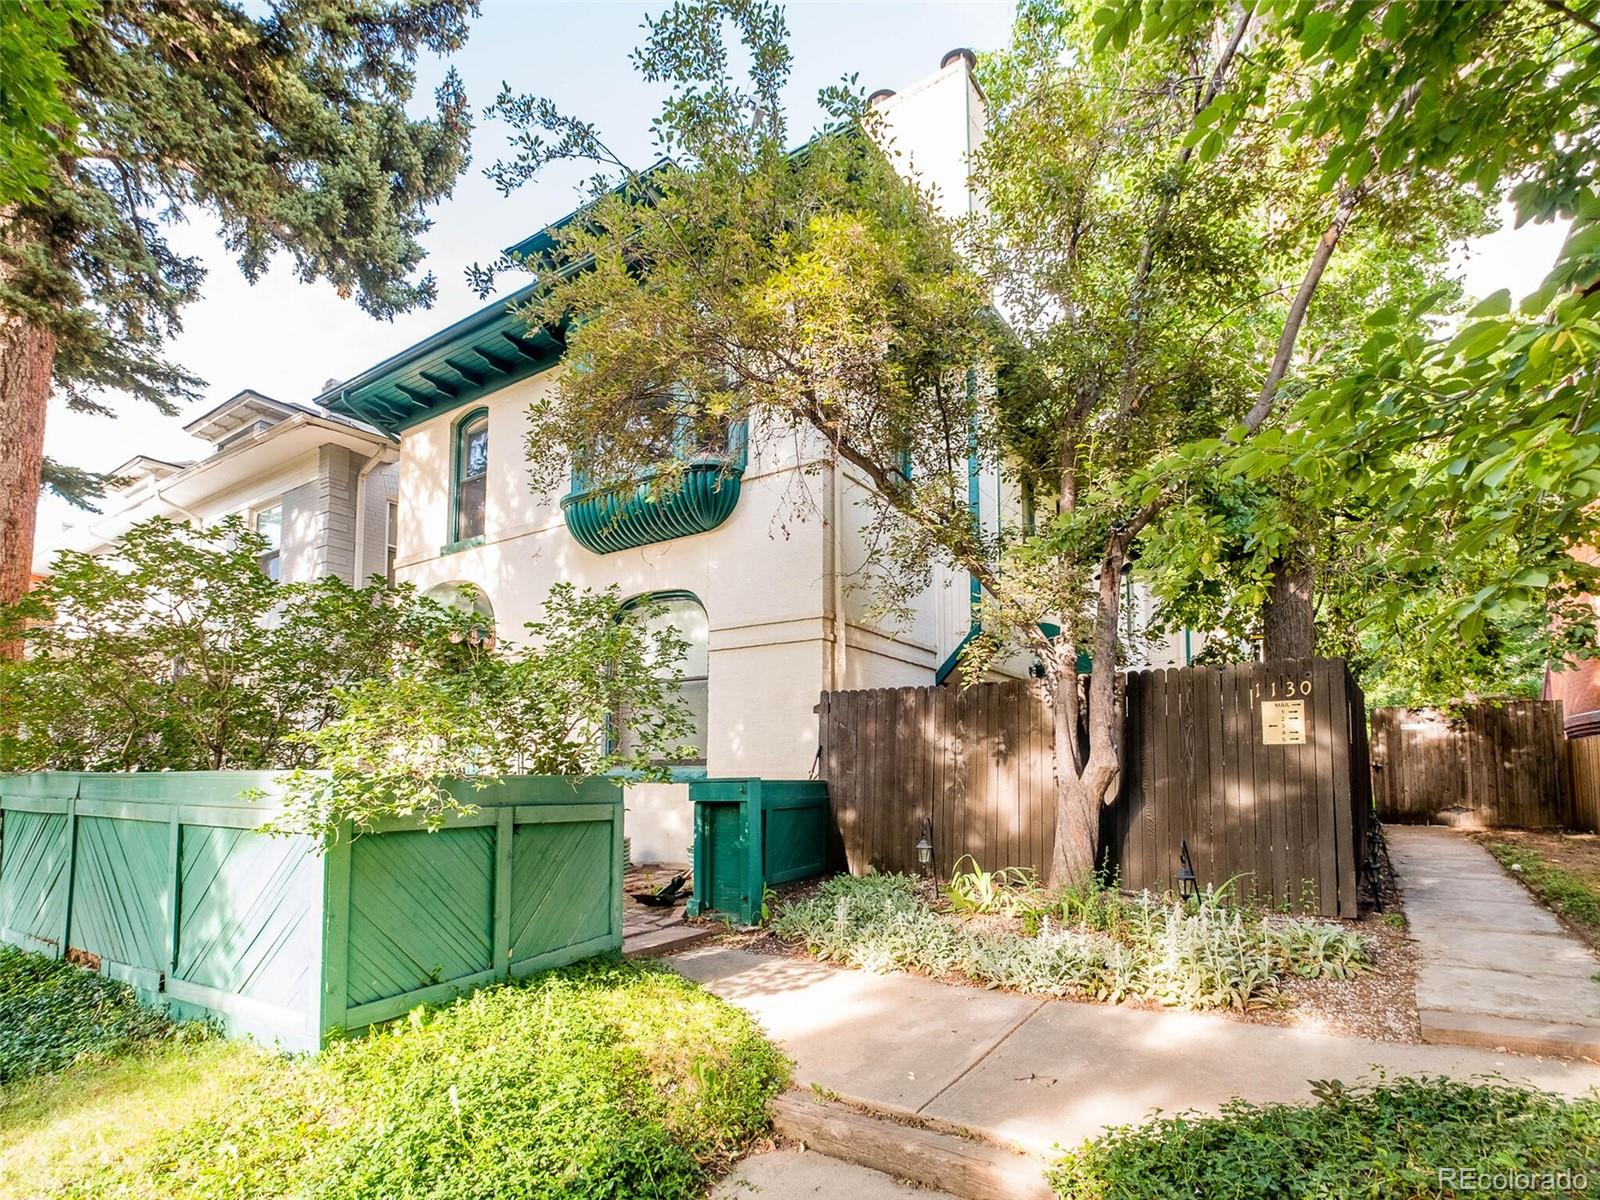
{"x":1283,"y":722}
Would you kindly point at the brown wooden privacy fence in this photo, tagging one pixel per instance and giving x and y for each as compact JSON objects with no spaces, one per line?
{"x":1583,"y":777}
{"x":1261,"y":769}
{"x":1483,"y":766}
{"x":975,"y":763}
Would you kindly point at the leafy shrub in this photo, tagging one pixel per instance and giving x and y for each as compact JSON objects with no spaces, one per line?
{"x":1199,"y":956}
{"x":1009,"y":890}
{"x":110,"y":680}
{"x":52,"y":1014}
{"x":488,"y":708}
{"x":1383,"y":1140}
{"x":602,"y":1079}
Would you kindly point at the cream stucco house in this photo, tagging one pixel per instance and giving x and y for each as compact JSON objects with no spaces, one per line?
{"x":319,"y":486}
{"x":764,"y":588}
{"x":764,"y":597}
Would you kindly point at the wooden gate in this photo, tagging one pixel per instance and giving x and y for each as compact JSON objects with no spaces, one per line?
{"x":1481,"y":767}
{"x":1583,"y":779}
{"x":1260,"y":768}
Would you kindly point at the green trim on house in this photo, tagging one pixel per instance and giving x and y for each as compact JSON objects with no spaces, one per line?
{"x":1049,"y":628}
{"x":947,"y":668}
{"x":680,"y":772}
{"x":459,"y":365}
{"x":974,"y":498}
{"x":457,"y":428}
{"x":468,"y":360}
{"x":643,"y":598}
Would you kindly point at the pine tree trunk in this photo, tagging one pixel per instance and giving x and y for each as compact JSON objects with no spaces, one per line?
{"x":1288,"y":619}
{"x":27,"y":357}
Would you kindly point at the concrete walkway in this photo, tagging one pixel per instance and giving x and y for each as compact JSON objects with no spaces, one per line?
{"x":1497,"y":968}
{"x":1037,"y":1073}
{"x":797,"y":1175}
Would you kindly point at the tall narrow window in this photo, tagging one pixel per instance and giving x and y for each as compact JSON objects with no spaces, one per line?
{"x":391,"y":541}
{"x":269,"y":524}
{"x":471,"y":475}
{"x":683,"y":612}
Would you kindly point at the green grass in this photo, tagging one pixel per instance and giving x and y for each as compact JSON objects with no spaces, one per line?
{"x":1565,"y":893}
{"x":1389,"y":1140}
{"x":604,"y":1079}
{"x":66,"y":1127}
{"x":53,"y":1014}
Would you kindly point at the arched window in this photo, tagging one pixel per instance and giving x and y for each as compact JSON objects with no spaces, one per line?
{"x":470,"y":475}
{"x":468,"y":598}
{"x":683,"y":612}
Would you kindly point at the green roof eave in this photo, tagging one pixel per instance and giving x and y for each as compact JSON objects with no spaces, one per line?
{"x":457,"y":366}
{"x":468,"y":360}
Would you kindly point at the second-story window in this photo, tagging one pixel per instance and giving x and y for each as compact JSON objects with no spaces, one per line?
{"x":269,"y":524}
{"x":471,"y":475}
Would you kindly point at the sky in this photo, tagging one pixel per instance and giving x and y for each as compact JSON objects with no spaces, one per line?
{"x":286,"y":339}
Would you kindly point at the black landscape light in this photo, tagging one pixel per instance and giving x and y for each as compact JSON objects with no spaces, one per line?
{"x":1188,"y":885}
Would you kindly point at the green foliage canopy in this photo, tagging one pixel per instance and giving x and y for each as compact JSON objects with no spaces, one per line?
{"x":290,"y":128}
{"x":35,"y":121}
{"x":1470,"y":457}
{"x":1131,"y":297}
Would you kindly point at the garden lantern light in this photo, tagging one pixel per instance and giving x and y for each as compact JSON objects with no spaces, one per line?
{"x":1188,"y":885}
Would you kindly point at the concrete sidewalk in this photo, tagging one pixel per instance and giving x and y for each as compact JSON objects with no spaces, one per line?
{"x":797,"y":1175}
{"x":1037,"y":1073}
{"x":1497,"y":968}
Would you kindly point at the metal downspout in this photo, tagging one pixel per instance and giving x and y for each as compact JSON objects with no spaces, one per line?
{"x":378,"y":459}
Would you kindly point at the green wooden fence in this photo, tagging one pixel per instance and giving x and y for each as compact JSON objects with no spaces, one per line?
{"x":164,"y":880}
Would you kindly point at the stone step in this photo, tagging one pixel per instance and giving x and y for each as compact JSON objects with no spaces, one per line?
{"x":1514,"y":1035}
{"x":905,"y":1146}
{"x":655,"y":943}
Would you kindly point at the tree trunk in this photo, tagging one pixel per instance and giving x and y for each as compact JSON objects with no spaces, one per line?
{"x":1087,"y":777}
{"x":27,"y":357}
{"x":1077,"y":815}
{"x":1288,"y":619}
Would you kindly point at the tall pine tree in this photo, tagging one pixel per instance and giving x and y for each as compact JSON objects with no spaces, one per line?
{"x":290,"y":128}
